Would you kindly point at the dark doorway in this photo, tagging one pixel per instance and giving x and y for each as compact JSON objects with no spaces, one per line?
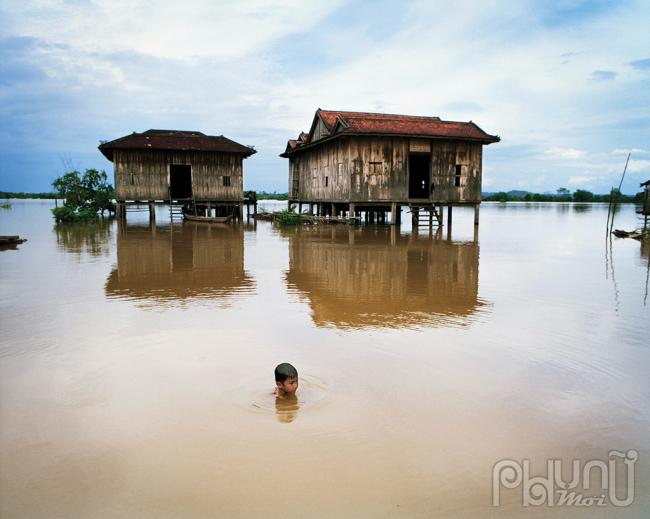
{"x":419,"y":176}
{"x":180,"y":181}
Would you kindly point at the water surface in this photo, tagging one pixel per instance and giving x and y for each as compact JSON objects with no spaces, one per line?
{"x":136,"y":364}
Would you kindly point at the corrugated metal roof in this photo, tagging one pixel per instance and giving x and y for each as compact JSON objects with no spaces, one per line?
{"x":174,"y":140}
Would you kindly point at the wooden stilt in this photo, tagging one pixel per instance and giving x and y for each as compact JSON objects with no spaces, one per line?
{"x":393,"y":213}
{"x":449,"y":217}
{"x":152,"y":212}
{"x":476,"y":214}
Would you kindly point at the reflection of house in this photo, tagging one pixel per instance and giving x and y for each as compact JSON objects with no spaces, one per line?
{"x":193,"y":260}
{"x":356,"y":278}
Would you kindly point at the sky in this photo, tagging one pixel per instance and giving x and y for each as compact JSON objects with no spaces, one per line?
{"x":566,"y":84}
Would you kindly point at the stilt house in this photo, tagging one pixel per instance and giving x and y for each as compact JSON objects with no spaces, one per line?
{"x":353,"y":160}
{"x":177,"y":167}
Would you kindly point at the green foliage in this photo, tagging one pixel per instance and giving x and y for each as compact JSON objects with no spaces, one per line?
{"x":10,"y":194}
{"x":263,"y":195}
{"x":67,"y":214}
{"x":84,"y":195}
{"x":5,"y":205}
{"x":582,"y":195}
{"x":287,"y":217}
{"x":563,"y":195}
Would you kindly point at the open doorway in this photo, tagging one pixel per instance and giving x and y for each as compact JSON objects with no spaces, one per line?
{"x":419,"y":166}
{"x":180,"y":181}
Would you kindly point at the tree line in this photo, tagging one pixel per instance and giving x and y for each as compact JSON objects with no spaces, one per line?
{"x":562,"y":195}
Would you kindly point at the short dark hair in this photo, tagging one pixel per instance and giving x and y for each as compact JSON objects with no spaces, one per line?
{"x":284,"y":371}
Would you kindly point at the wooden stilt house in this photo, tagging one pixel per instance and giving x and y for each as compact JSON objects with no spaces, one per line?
{"x":351,"y":161}
{"x":178,"y":167}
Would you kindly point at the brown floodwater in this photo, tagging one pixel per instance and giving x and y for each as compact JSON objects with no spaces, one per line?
{"x":136,"y":364}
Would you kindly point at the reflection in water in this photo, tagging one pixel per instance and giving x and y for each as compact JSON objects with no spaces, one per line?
{"x":357,"y":277}
{"x":194,"y":260}
{"x":287,"y":409}
{"x":89,"y":237}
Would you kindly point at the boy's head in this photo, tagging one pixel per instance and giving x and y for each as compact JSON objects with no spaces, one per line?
{"x":286,"y":378}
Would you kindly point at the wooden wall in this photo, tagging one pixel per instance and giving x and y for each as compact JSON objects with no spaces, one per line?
{"x":375,"y":169}
{"x":144,"y":175}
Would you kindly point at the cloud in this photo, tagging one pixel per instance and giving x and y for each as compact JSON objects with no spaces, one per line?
{"x":256,"y":71}
{"x":579,"y":180}
{"x":603,"y":75}
{"x":638,"y":166}
{"x":625,"y":151}
{"x":640,"y":64}
{"x":565,"y":153}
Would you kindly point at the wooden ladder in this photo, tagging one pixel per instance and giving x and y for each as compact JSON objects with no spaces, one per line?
{"x":426,"y":215}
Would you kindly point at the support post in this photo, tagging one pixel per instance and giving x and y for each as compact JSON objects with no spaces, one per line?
{"x":241,"y":210}
{"x":311,"y":209}
{"x":299,"y":207}
{"x":351,"y":211}
{"x":333,"y":209}
{"x":152,"y":212}
{"x":476,"y":214}
{"x":120,"y":211}
{"x":449,"y":217}
{"x":393,"y":213}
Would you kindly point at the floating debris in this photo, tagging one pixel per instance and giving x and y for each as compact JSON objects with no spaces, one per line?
{"x":636,"y":235}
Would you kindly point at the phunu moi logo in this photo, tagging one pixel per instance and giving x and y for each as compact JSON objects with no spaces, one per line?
{"x":552,"y":490}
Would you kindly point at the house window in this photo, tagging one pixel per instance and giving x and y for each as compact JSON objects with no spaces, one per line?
{"x":327,"y":181}
{"x":376,"y":168}
{"x":226,"y":180}
{"x":459,"y":169}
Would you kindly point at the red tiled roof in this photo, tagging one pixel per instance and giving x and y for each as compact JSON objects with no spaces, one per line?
{"x":174,"y":140}
{"x":357,"y":123}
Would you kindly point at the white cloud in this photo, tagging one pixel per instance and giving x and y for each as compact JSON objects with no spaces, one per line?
{"x":625,"y":151}
{"x":229,"y":67}
{"x":579,"y":180}
{"x":565,"y":153}
{"x":167,"y":29}
{"x":638,"y":166}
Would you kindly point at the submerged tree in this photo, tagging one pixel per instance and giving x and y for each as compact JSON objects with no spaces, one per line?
{"x":84,"y":195}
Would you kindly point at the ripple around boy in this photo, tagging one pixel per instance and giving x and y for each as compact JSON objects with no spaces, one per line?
{"x":286,"y":381}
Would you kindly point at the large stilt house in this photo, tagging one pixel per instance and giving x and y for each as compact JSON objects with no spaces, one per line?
{"x":350,"y":161}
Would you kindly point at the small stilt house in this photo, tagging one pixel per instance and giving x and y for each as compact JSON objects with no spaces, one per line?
{"x":351,"y":161}
{"x":178,"y":167}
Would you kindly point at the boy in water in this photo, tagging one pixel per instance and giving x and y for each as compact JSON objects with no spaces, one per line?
{"x":286,"y":381}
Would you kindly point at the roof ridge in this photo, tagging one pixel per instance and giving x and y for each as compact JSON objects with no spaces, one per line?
{"x":378,"y":113}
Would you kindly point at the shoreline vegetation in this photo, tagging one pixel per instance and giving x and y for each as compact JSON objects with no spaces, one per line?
{"x":562,"y":195}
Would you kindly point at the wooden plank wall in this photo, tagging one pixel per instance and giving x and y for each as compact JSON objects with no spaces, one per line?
{"x":444,"y":158}
{"x":144,"y":175}
{"x":374,"y":169}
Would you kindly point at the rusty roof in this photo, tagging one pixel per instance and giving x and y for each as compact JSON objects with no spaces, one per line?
{"x":363,"y":123}
{"x":174,"y":140}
